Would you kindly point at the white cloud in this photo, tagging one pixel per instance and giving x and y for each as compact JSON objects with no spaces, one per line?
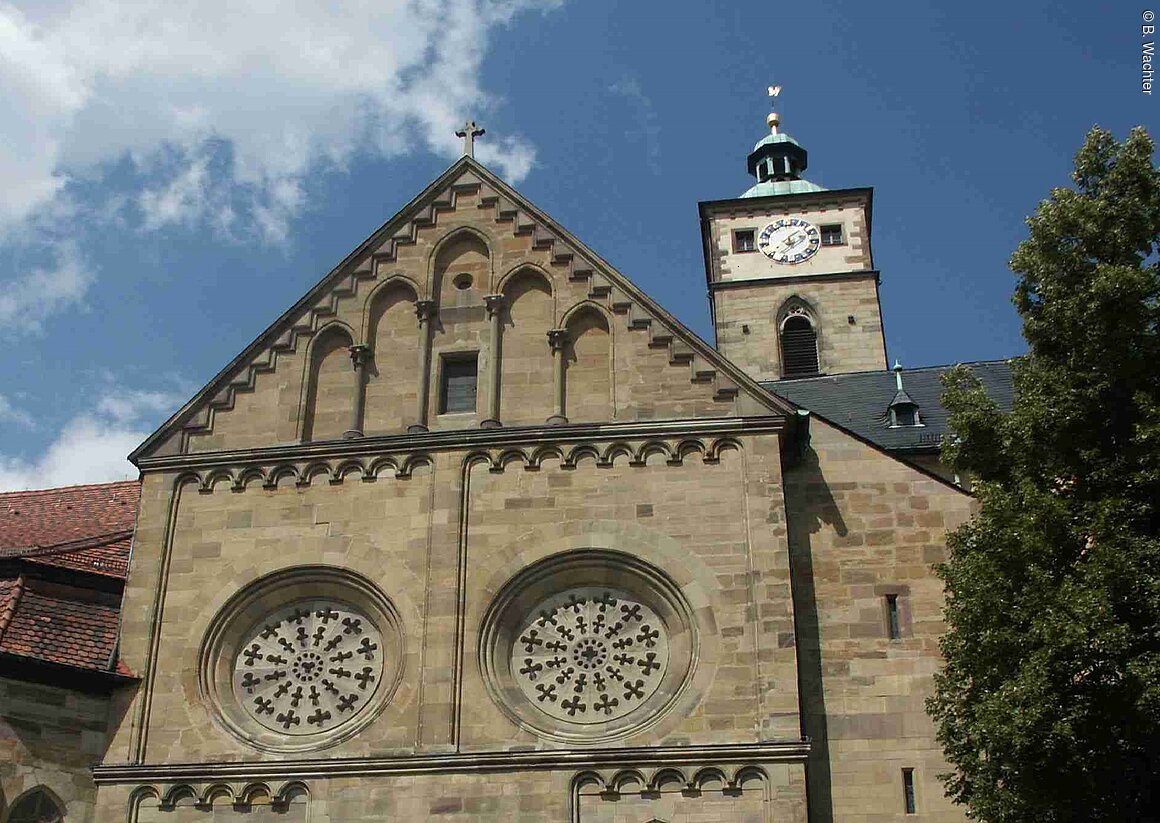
{"x":648,"y":125}
{"x":223,"y":109}
{"x":11,"y":414}
{"x":29,"y":299}
{"x":91,"y":448}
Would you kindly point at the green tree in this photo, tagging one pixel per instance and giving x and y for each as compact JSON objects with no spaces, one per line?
{"x":1048,"y":706}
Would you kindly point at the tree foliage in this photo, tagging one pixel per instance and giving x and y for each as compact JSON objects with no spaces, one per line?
{"x":1048,"y":706}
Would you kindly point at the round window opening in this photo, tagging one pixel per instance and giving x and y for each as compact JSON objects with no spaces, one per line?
{"x":588,"y":646}
{"x":308,"y":667}
{"x":590,"y":655}
{"x":302,"y":659}
{"x":462,"y":281}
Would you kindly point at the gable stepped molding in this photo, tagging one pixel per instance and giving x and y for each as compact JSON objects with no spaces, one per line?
{"x":578,"y":270}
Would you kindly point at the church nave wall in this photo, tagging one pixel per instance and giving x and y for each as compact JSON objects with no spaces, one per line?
{"x":865,"y":528}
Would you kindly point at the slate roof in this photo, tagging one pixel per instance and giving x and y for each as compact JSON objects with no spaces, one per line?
{"x":860,"y":401}
{"x":64,"y":556}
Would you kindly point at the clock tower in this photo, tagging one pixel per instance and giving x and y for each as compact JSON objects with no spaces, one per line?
{"x":792,"y":283}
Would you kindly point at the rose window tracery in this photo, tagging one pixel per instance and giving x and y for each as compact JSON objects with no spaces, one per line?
{"x":590,"y":655}
{"x":308,"y":667}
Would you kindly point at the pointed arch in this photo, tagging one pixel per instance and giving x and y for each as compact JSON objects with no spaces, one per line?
{"x":525,"y":385}
{"x":797,"y":338}
{"x":587,"y":365}
{"x":392,"y":336}
{"x":37,"y":805}
{"x":329,"y":391}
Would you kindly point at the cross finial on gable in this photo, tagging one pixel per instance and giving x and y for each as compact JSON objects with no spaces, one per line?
{"x":469,"y":132}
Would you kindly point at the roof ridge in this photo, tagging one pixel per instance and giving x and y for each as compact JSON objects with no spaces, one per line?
{"x":58,"y":489}
{"x":68,"y":546}
{"x":886,"y":372}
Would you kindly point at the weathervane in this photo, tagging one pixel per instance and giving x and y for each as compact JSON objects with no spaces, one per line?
{"x":469,"y":132}
{"x":774,"y":118}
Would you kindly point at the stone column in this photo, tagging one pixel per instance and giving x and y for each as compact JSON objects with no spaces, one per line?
{"x":558,"y":339}
{"x":425,"y":310}
{"x":494,"y":304}
{"x":359,"y":355}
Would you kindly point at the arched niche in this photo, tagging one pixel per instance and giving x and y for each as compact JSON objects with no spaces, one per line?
{"x":37,"y":805}
{"x":330,"y":385}
{"x":461,"y":270}
{"x":460,"y":332}
{"x":391,"y":379}
{"x":526,"y":394}
{"x":588,"y":367}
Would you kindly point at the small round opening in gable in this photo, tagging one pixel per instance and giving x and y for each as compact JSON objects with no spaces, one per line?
{"x":462,"y":281}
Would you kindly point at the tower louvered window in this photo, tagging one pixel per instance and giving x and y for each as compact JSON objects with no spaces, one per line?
{"x":799,"y":348}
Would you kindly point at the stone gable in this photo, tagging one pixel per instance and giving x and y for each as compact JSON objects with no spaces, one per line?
{"x":469,"y":269}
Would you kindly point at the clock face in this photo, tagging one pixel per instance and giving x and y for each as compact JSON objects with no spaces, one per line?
{"x":789,"y":240}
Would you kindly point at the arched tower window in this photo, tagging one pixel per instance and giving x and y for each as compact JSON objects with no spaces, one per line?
{"x":36,"y":807}
{"x":799,"y":344}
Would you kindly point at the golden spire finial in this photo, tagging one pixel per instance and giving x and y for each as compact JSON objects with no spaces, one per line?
{"x":774,"y":118}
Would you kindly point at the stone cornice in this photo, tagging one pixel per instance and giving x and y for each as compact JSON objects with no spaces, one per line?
{"x":457,"y":763}
{"x":466,"y":439}
{"x":789,"y":202}
{"x":827,"y":277}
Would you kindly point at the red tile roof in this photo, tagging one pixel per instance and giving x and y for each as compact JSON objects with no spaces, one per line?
{"x":51,"y":623}
{"x":50,"y":517}
{"x":107,"y":556}
{"x":78,"y":534}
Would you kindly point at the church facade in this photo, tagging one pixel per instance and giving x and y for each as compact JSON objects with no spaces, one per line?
{"x":478,"y":531}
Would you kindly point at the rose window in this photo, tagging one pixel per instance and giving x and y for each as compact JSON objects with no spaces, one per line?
{"x":308,"y":667}
{"x":590,"y":655}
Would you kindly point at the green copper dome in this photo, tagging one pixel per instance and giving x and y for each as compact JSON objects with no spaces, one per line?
{"x":771,"y":139}
{"x":777,"y":161}
{"x":771,"y":187}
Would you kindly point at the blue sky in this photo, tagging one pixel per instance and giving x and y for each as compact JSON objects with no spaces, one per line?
{"x":174,"y":178}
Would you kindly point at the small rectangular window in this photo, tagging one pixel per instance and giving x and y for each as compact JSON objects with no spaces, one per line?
{"x":743,"y":241}
{"x":908,"y":804}
{"x":832,"y":235}
{"x":893,"y":626}
{"x":458,"y":384}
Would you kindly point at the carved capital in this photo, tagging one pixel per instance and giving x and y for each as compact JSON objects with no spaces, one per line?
{"x":425,"y":310}
{"x":557,"y":339}
{"x":359,"y":355}
{"x":494,"y":303}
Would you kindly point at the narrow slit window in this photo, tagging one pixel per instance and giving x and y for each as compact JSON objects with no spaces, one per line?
{"x":458,"y":385}
{"x":908,"y":804}
{"x":893,"y":626}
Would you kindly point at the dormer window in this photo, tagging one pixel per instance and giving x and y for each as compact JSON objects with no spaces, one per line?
{"x":904,"y":414}
{"x":903,"y":410}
